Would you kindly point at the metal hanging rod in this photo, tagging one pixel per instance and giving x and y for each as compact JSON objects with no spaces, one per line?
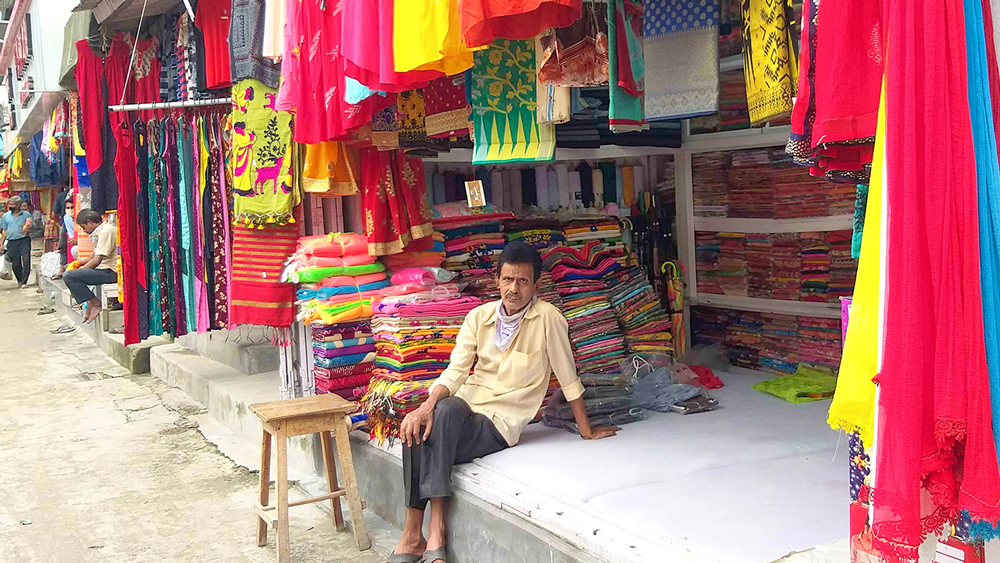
{"x":170,"y":105}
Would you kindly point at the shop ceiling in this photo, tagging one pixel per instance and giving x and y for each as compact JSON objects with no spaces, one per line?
{"x":115,"y":13}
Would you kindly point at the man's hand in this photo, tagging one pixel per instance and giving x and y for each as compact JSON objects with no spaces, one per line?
{"x":417,"y":425}
{"x":601,"y":432}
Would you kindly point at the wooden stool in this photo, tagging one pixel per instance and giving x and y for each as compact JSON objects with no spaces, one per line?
{"x":294,"y":417}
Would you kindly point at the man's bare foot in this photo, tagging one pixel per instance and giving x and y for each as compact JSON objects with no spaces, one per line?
{"x":91,"y":314}
{"x":415,"y":546}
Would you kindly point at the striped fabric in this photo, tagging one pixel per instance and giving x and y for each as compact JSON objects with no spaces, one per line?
{"x":257,"y":297}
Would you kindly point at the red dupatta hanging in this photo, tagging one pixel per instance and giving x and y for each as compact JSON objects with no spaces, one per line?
{"x":935,"y":453}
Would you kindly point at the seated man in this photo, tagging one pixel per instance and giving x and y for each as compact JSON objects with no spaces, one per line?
{"x":517,"y":343}
{"x":100,"y":269}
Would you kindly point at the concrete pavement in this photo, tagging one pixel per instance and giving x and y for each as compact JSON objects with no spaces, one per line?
{"x":97,"y":464}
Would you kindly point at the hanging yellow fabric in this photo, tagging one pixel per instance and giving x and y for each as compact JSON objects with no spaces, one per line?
{"x":853,"y":407}
{"x":770,"y":69}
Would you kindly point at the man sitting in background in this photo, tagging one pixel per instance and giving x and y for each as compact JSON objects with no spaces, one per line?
{"x":101,"y":268}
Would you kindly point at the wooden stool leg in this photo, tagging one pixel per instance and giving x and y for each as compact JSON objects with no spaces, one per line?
{"x":331,"y":479}
{"x":351,"y":483}
{"x":282,"y":490}
{"x":264,"y":486}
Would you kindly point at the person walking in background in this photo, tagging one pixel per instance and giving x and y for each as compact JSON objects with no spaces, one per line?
{"x":100,"y":269}
{"x":37,"y":222}
{"x":15,"y":225}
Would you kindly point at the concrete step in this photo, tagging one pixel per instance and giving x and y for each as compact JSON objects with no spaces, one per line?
{"x":246,"y":350}
{"x":228,"y":394}
{"x":134,"y":357}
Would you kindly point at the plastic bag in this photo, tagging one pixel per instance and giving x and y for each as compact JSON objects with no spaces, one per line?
{"x":48,"y":265}
{"x":5,"y":269}
{"x":659,"y":384}
{"x":596,"y":421}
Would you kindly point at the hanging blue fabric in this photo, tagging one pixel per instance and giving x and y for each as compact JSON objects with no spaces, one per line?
{"x":988,"y":188}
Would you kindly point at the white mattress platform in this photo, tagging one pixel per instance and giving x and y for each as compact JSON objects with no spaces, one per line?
{"x":754,"y":481}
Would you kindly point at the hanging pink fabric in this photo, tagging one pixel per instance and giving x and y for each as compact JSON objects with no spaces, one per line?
{"x":934,"y":433}
{"x":368,"y":48}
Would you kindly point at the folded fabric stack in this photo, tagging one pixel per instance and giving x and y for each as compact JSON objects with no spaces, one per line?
{"x":709,"y":325}
{"x":843,"y":268}
{"x":734,"y":112}
{"x":578,"y":275}
{"x":414,"y":335}
{"x":539,"y":237}
{"x":759,"y":267}
{"x":710,"y":182}
{"x":842,"y":197}
{"x":344,"y":355}
{"x":743,"y":339}
{"x":771,"y":342}
{"x":338,"y":277}
{"x":815,"y":266}
{"x":425,"y":254}
{"x":750,"y":194}
{"x":707,"y":261}
{"x":548,"y":291}
{"x":779,"y":340}
{"x":579,"y":232}
{"x":607,"y":397}
{"x":797,"y":194}
{"x":786,"y":273}
{"x":642,"y":318}
{"x":733,"y":264}
{"x":820,"y":344}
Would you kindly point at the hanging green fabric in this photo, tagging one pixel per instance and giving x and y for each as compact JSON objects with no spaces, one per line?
{"x":504,"y":106}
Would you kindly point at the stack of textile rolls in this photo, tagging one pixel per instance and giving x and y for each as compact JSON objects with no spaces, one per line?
{"x":758,"y":259}
{"x":414,"y":335}
{"x":707,"y":261}
{"x":423,"y":253}
{"x":579,"y":232}
{"x":643,"y":319}
{"x":344,"y":355}
{"x":733,"y":264}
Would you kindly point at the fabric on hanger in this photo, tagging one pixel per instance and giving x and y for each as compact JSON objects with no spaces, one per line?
{"x":498,"y":189}
{"x":246,"y":44}
{"x":385,"y":128}
{"x":368,"y":47}
{"x":483,"y":175}
{"x":514,"y":185}
{"x":178,"y":318}
{"x":576,"y":55}
{"x":565,"y":194}
{"x":553,"y":103}
{"x":447,"y":112}
{"x":853,"y":406}
{"x":213,"y":19}
{"x":482,"y":21}
{"x":154,"y":258}
{"x":934,"y":419}
{"x":586,"y":184}
{"x":186,"y":208}
{"x":683,"y":38}
{"x":427,"y":37}
{"x":328,"y":170}
{"x":627,"y":105}
{"x":395,"y":202}
{"x":770,"y":67}
{"x":200,"y":163}
{"x":513,"y":135}
{"x":140,"y":140}
{"x":552,"y":195}
{"x":126,"y":166}
{"x":290,"y":82}
{"x":542,"y":187}
{"x":259,"y":255}
{"x":575,"y":190}
{"x":620,"y":185}
{"x":598,"y":184}
{"x":611,"y":181}
{"x":263,"y":191}
{"x":440,"y":195}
